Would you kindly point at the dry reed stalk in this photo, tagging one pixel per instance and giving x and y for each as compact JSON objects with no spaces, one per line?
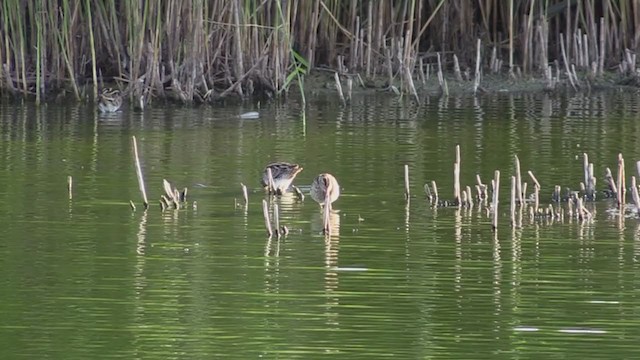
{"x":469,"y":196}
{"x":389,"y":64}
{"x":511,"y":35}
{"x":456,"y":178}
{"x":339,"y":88}
{"x":566,"y":64}
{"x":456,"y":68}
{"x":590,"y":179}
{"x":493,"y":60}
{"x":476,"y":82}
{"x":603,"y":38}
{"x":427,"y":191}
{"x":513,"y":201}
{"x":407,"y":192}
{"x":519,"y":189}
{"x":202,"y":43}
{"x":70,"y":186}
{"x":621,"y":181}
{"x":435,"y":192}
{"x":267,"y":221}
{"x":441,"y":77}
{"x":496,"y":191}
{"x":482,"y":188}
{"x":369,"y":37}
{"x":276,"y":220}
{"x":411,"y":85}
{"x":613,"y":188}
{"x":143,"y":190}
{"x":245,"y":195}
{"x":298,"y":192}
{"x":270,"y":184}
{"x":423,"y":77}
{"x":536,"y":191}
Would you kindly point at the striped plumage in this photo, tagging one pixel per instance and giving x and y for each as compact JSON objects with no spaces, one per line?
{"x":109,"y":100}
{"x":282,"y":173}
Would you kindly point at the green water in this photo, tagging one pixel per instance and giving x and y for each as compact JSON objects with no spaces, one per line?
{"x":88,"y":278}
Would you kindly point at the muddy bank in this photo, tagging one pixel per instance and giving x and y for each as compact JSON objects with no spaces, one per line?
{"x":321,"y":81}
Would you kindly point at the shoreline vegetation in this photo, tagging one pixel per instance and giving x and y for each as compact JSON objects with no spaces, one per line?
{"x":199,"y":51}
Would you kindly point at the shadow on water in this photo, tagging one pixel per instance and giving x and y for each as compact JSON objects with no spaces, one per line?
{"x":85,"y":276}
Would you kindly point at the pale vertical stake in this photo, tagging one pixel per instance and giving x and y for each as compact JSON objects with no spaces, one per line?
{"x":70,"y":186}
{"x":519,"y":192}
{"x":496,"y":191}
{"x":407,"y":192}
{"x":244,"y":193}
{"x":267,"y":221}
{"x":456,"y":178}
{"x":139,"y":173}
{"x":513,"y":201}
{"x":276,"y":219}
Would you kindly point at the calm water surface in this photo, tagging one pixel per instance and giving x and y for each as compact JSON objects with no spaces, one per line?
{"x":87,"y":277}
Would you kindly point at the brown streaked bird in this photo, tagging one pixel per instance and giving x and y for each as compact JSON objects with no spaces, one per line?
{"x":325,"y":188}
{"x":109,"y":100}
{"x":282,"y":173}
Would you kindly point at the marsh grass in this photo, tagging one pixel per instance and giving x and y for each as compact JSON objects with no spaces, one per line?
{"x":202,"y":50}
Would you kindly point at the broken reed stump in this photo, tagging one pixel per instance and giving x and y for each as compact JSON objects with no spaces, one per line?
{"x":496,"y":191}
{"x":476,"y":82}
{"x":339,"y":88}
{"x":245,"y":195}
{"x":456,"y":178}
{"x":407,"y":191}
{"x":70,"y":186}
{"x":536,"y":191}
{"x":172,"y":197}
{"x":267,"y":221}
{"x":513,"y":201}
{"x":469,"y":196}
{"x":621,"y":181}
{"x":589,"y":179}
{"x":481,"y":189}
{"x":139,"y":173}
{"x":298,"y":192}
{"x":441,"y":80}
{"x":613,"y":188}
{"x":271,"y":185}
{"x":435,"y":191}
{"x":276,"y":219}
{"x":518,"y":181}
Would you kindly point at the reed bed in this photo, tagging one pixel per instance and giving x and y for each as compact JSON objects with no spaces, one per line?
{"x":203,"y":50}
{"x":576,"y":203}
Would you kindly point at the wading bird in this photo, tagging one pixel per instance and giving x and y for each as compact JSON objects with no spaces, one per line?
{"x":325,"y":189}
{"x":109,"y":100}
{"x":282,"y":174}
